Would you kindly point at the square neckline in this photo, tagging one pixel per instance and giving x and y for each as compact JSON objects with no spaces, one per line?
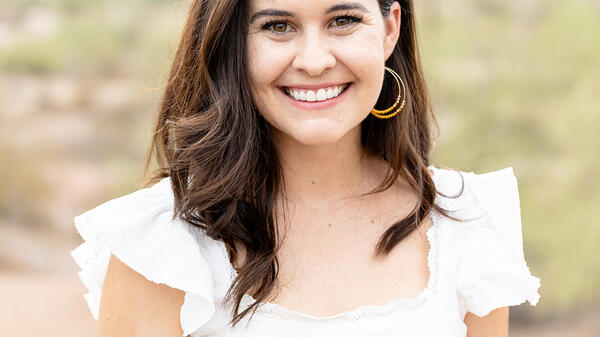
{"x":273,"y":310}
{"x":406,"y":304}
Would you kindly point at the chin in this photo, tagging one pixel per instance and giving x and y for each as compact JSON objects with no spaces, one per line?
{"x":316,"y":136}
{"x":315,"y":131}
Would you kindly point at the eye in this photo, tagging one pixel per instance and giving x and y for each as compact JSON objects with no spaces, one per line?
{"x":277,"y":27}
{"x":342,"y":21}
{"x":346,"y":20}
{"x":280,"y":27}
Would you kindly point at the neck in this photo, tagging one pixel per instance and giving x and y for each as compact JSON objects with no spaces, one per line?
{"x":324,"y":173}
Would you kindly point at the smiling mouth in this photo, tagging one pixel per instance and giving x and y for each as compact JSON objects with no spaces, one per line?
{"x":318,"y":95}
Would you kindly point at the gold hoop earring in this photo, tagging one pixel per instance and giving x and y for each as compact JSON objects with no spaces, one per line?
{"x":384,"y":114}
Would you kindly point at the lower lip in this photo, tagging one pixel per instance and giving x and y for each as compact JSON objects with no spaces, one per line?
{"x":317,"y":105}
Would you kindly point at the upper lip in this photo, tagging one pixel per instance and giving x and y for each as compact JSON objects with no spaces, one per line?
{"x":313,"y":86}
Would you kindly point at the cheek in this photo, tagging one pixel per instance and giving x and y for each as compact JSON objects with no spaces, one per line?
{"x":255,"y":64}
{"x":363,"y":54}
{"x":265,"y":62}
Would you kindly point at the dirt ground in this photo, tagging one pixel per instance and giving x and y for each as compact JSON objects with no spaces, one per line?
{"x":42,"y":304}
{"x":52,"y":305}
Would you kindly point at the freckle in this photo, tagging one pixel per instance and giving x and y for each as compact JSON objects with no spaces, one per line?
{"x":329,"y":224}
{"x":313,"y":182}
{"x":372,"y":221}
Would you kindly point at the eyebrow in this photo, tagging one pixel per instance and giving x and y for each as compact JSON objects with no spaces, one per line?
{"x":347,"y":6}
{"x":270,"y":12}
{"x":277,"y":12}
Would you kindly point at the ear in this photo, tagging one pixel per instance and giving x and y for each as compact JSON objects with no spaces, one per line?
{"x":392,"y":28}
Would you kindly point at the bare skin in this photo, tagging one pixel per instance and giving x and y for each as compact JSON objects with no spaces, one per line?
{"x":330,"y":241}
{"x":329,"y":230}
{"x":133,"y":306}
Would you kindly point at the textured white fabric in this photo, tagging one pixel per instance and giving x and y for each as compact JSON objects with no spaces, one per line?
{"x":139,"y":229}
{"x":493,"y":272}
{"x":477,"y":265}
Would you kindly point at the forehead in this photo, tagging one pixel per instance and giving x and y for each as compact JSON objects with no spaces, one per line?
{"x":312,"y":6}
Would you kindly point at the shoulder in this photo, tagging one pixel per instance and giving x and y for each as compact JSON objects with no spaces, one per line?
{"x":490,"y":267}
{"x":144,"y":239}
{"x":130,"y":304}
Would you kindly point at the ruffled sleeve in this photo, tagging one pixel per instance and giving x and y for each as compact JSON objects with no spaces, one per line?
{"x":139,"y":229}
{"x":492,"y":271}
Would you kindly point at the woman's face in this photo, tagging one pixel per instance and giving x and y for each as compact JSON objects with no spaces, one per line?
{"x":316,"y":67}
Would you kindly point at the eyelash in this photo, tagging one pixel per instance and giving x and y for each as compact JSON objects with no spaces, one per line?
{"x":352,"y":17}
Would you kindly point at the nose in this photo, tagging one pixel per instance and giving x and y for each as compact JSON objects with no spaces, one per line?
{"x":314,"y":54}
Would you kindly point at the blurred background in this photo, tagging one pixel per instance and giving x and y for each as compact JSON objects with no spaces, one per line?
{"x":513,"y":83}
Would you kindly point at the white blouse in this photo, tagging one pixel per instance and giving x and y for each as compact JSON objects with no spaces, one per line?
{"x":475,"y":266}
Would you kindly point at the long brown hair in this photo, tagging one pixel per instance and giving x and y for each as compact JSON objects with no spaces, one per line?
{"x":225,"y":172}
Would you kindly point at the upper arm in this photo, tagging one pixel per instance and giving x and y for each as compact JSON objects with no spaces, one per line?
{"x":132,"y":306}
{"x":494,"y":324}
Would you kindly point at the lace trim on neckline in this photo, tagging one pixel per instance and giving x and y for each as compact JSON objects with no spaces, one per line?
{"x":272,"y":310}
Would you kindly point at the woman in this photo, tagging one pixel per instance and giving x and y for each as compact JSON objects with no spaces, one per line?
{"x":295,"y":195}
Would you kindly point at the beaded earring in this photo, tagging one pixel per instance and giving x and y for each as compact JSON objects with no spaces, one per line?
{"x":384,"y":114}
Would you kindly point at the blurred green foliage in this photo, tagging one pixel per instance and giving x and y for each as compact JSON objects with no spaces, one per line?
{"x":513,"y":84}
{"x":98,"y":38}
{"x":517,"y":86}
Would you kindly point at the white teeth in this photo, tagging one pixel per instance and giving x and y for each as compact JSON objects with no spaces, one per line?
{"x":312,"y":96}
{"x":329,"y":93}
{"x":321,"y":95}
